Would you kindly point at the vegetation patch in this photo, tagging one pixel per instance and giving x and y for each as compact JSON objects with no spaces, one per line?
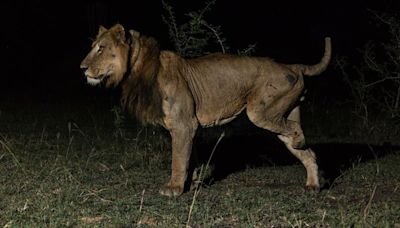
{"x":54,"y":173}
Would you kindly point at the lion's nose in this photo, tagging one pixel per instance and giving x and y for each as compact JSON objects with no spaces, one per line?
{"x":84,"y":66}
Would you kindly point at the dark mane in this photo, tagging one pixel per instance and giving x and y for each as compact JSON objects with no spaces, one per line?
{"x":140,"y":90}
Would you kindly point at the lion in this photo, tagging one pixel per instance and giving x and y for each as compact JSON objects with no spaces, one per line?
{"x":160,"y":87}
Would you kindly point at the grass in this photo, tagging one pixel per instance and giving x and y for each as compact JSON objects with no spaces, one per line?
{"x":72,"y":167}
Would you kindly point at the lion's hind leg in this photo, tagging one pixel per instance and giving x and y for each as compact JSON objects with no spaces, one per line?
{"x":272,"y":118}
{"x":306,"y":156}
{"x":289,"y":131}
{"x":308,"y":159}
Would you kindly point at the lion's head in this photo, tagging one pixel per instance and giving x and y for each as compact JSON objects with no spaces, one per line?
{"x":108,"y":59}
{"x":132,"y":61}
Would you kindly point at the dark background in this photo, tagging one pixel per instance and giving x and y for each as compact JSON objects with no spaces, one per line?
{"x":43,"y":42}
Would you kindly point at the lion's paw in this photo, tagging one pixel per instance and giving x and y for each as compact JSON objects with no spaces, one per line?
{"x":313,"y":188}
{"x":171,"y":191}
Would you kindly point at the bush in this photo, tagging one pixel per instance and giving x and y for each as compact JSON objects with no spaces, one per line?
{"x":194,"y":37}
{"x":375,"y":83}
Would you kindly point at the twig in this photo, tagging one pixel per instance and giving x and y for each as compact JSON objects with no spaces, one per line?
{"x":379,"y":17}
{"x":197,"y":190}
{"x":366,"y":209}
{"x":215,"y":32}
{"x":7,"y":148}
{"x":206,"y":8}
{"x":380,"y":81}
{"x":141,"y":201}
{"x":141,"y":207}
{"x":397,"y":101}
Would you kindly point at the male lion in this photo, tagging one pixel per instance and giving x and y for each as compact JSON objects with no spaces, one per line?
{"x":160,"y":87}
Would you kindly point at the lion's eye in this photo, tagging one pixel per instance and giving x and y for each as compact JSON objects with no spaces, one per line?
{"x":100,"y":49}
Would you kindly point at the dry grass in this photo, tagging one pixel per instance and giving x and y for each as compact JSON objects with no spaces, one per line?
{"x":72,"y":170}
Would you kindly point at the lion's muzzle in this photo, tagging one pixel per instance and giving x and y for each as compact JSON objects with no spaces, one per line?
{"x":84,"y":66}
{"x":89,"y":77}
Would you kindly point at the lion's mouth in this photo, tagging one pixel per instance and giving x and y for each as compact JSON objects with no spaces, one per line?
{"x":93,"y":81}
{"x":97,"y":80}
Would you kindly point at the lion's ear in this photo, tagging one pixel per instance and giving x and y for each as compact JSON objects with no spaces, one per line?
{"x":134,"y":34}
{"x":119,"y":32}
{"x":101,"y":30}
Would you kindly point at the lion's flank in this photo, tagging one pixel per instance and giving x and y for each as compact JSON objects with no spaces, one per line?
{"x":140,"y":90}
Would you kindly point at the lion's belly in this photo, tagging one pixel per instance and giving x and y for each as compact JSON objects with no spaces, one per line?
{"x":220,"y":102}
{"x":209,"y":117}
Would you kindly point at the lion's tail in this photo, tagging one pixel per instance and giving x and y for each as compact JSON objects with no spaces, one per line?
{"x":312,"y":70}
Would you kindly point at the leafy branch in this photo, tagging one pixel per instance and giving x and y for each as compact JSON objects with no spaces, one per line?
{"x":193,"y":37}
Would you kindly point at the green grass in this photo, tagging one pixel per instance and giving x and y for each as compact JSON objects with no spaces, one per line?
{"x":76,"y":169}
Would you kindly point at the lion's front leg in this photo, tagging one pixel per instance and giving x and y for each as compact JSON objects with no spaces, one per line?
{"x":182,"y":139}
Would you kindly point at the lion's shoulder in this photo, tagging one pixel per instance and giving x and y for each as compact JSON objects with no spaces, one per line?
{"x":171,"y":62}
{"x":168,"y":56}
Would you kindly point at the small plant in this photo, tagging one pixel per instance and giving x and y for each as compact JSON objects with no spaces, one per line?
{"x":193,"y":38}
{"x":361,"y":95}
{"x":248,"y":51}
{"x":5,"y":146}
{"x":119,"y":120}
{"x":384,"y":61}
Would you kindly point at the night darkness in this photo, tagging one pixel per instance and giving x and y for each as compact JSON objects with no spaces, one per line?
{"x":43,"y":42}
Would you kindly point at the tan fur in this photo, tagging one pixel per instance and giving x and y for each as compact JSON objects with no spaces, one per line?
{"x":160,"y":87}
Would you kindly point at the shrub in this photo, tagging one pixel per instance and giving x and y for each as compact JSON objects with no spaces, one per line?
{"x":194,"y":37}
{"x":375,"y":82}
